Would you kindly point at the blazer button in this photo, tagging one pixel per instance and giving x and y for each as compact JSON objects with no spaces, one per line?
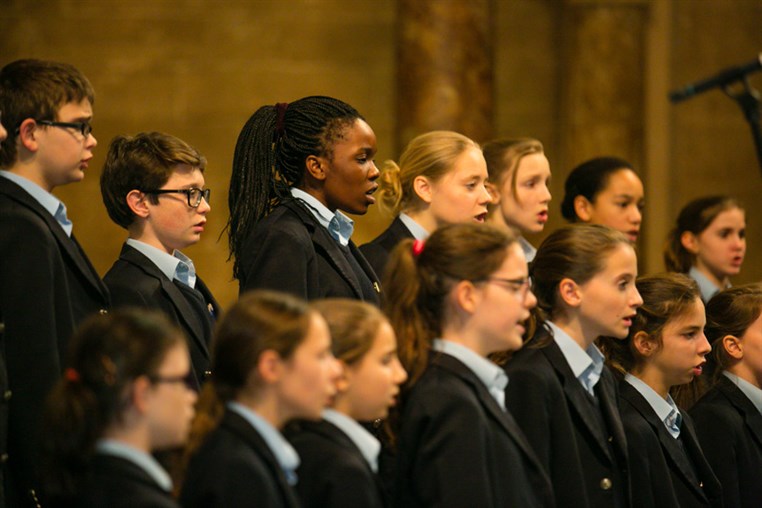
{"x":7,"y":395}
{"x":4,"y":458}
{"x":611,"y":439}
{"x":606,"y":484}
{"x":102,"y":312}
{"x":207,"y":374}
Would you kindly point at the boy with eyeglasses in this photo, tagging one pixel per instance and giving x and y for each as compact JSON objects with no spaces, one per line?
{"x":153,"y":186}
{"x":47,"y":284}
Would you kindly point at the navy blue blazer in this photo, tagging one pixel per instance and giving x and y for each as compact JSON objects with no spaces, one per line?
{"x":583,"y":450}
{"x":134,"y":280}
{"x":114,"y":482}
{"x":458,"y":448}
{"x":235,"y":468}
{"x":47,"y":288}
{"x":378,"y":250}
{"x":333,"y":472}
{"x":664,"y":472}
{"x":290,"y":251}
{"x":729,"y":428}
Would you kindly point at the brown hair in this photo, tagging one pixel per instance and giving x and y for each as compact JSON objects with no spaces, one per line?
{"x":431,"y":155}
{"x":106,"y":355}
{"x":417,"y":283}
{"x":141,"y":162}
{"x":665,"y":297}
{"x":353,"y":325}
{"x":36,"y":89}
{"x":695,"y":217}
{"x":731,"y":312}
{"x":503,"y":157}
{"x":259,"y":321}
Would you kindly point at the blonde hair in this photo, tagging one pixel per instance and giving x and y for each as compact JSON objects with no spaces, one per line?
{"x":431,"y":155}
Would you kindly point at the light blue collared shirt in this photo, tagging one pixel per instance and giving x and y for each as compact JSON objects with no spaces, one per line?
{"x":586,"y":364}
{"x":752,"y":392}
{"x":338,"y":225}
{"x":529,"y":250}
{"x":493,"y":377}
{"x":48,"y":201}
{"x":665,"y":409}
{"x":418,"y":231}
{"x":177,"y":266}
{"x":707,"y":287}
{"x":368,"y":445}
{"x":284,"y":453}
{"x":138,"y":457}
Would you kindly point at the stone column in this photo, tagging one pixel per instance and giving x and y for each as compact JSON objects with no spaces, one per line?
{"x":444,"y":68}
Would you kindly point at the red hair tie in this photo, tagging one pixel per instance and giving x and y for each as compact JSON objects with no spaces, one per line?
{"x":418,"y":247}
{"x":71,"y":375}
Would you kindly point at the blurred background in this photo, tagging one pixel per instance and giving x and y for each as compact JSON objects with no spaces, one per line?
{"x":586,"y":77}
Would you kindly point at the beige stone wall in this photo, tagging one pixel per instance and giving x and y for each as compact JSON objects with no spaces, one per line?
{"x":198,"y":68}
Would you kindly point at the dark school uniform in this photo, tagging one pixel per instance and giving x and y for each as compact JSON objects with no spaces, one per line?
{"x":378,"y":250}
{"x":48,"y":287}
{"x":458,"y":447}
{"x":578,"y":437}
{"x":135,"y":280}
{"x":235,"y":467}
{"x":729,"y":427}
{"x":291,"y":251}
{"x":333,"y":472}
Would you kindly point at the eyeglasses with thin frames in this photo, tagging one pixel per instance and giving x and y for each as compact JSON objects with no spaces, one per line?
{"x":194,"y":194}
{"x":188,"y":380}
{"x":519,"y":286}
{"x":83,"y":127}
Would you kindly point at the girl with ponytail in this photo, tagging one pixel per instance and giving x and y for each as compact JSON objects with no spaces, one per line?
{"x":271,"y":362}
{"x":440,"y":179}
{"x":459,"y":297}
{"x":126,"y":393}
{"x":296,"y":168}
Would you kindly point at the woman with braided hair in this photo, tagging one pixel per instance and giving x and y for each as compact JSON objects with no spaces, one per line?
{"x":296,"y":168}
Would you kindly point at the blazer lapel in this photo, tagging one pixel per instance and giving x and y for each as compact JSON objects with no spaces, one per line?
{"x":68,"y":245}
{"x":608,"y":401}
{"x":752,"y":416}
{"x":672,"y":450}
{"x":184,"y":309}
{"x":239,"y":426}
{"x":323,"y":241}
{"x":504,"y":418}
{"x":577,"y":396}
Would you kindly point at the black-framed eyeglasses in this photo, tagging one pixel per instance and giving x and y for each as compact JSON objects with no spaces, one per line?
{"x":194,"y":194}
{"x":84,"y":127}
{"x":189,"y":380}
{"x":520,"y":285}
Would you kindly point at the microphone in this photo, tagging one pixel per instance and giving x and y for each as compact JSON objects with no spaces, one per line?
{"x":722,"y":78}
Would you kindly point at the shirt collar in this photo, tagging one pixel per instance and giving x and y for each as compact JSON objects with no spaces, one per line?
{"x":418,"y":231}
{"x":752,"y":392}
{"x":338,"y":225}
{"x":707,"y":287}
{"x":493,"y":377}
{"x":663,"y":408}
{"x":528,"y":248}
{"x":175,"y":266}
{"x":284,"y":453}
{"x":48,"y":201}
{"x":368,"y":445}
{"x":138,"y":457}
{"x":586,"y":364}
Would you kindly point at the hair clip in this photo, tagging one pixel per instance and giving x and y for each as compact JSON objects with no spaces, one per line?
{"x":418,"y":247}
{"x":71,"y":375}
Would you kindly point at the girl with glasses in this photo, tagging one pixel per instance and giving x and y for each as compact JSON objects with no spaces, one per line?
{"x":124,"y":395}
{"x":453,"y":301}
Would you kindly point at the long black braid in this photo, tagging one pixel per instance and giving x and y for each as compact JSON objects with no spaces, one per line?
{"x":270,"y":155}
